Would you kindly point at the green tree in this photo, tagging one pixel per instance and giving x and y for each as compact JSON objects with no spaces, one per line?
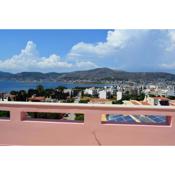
{"x":5,"y":114}
{"x":69,"y":100}
{"x":79,"y":117}
{"x":82,"y":93}
{"x":14,"y":92}
{"x":141,"y":97}
{"x":21,"y":96}
{"x":49,"y":92}
{"x":151,"y":95}
{"x":31,"y":92}
{"x":117,"y":102}
{"x":40,"y":90}
{"x":84,"y":101}
{"x":171,"y":97}
{"x":61,"y":88}
{"x":87,"y":95}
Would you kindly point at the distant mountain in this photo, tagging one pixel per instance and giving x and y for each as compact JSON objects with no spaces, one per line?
{"x":93,"y":75}
{"x":5,"y":75}
{"x":111,"y":74}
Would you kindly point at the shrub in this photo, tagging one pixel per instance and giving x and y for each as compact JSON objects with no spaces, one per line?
{"x":79,"y":117}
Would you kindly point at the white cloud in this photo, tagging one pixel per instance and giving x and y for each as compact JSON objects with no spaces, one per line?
{"x":53,"y":62}
{"x":131,"y":50}
{"x":168,"y":66}
{"x":115,"y":40}
{"x":168,"y":61}
{"x":171,"y":40}
{"x":85,"y":65}
{"x":29,"y":60}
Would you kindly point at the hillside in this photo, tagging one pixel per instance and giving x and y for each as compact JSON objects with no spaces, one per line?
{"x":93,"y":75}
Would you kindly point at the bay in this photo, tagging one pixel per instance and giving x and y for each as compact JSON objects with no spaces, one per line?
{"x":7,"y":86}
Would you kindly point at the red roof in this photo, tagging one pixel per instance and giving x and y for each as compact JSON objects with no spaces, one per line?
{"x":99,"y":100}
{"x":160,"y":98}
{"x":135,"y":102}
{"x":36,"y":98}
{"x":172,"y":102}
{"x":144,"y":103}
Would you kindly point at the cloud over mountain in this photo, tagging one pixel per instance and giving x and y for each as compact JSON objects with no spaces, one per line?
{"x":29,"y":60}
{"x":131,"y":50}
{"x":115,"y":40}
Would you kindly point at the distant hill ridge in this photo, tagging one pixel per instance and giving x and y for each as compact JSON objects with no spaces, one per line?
{"x":93,"y":75}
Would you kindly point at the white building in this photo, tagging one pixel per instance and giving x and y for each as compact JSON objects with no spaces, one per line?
{"x":119,"y":95}
{"x":2,"y":97}
{"x":104,"y":94}
{"x":69,"y":91}
{"x":90,"y":91}
{"x":151,"y":86}
{"x":163,"y":92}
{"x":112,"y":90}
{"x":7,"y":97}
{"x":171,"y":91}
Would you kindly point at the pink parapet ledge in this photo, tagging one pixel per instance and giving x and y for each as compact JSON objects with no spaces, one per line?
{"x":20,"y":131}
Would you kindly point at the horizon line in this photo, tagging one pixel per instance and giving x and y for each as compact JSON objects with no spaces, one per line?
{"x":88,"y":70}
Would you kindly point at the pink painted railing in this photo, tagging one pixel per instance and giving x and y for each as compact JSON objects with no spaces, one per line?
{"x":19,"y":131}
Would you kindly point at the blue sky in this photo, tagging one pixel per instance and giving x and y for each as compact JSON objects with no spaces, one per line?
{"x":69,"y":50}
{"x":48,"y":41}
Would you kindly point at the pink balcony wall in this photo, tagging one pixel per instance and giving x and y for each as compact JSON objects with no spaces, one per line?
{"x":18,"y":131}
